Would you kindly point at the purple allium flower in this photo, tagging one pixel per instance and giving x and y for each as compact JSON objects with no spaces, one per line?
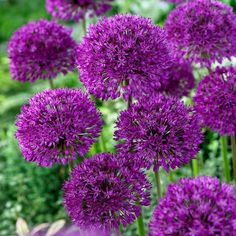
{"x":77,"y":9}
{"x":57,"y":125}
{"x":201,"y":207}
{"x":105,"y":191}
{"x":161,"y":132}
{"x":202,"y":31}
{"x":180,"y":80}
{"x":215,"y":100}
{"x":123,"y":55}
{"x":41,"y":50}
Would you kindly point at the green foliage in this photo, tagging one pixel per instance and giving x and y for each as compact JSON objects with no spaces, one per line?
{"x":15,"y":13}
{"x":27,"y":191}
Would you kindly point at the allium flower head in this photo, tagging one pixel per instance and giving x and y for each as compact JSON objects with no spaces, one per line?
{"x":201,"y":206}
{"x":160,"y":132}
{"x":202,"y":31}
{"x":56,"y":126}
{"x":215,"y":100}
{"x":123,"y":55}
{"x":180,"y":80}
{"x":105,"y":191}
{"x":77,"y":9}
{"x":41,"y":50}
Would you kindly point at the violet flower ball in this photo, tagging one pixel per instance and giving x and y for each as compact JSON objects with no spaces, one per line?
{"x":123,"y":55}
{"x":202,"y":31}
{"x":215,"y":100}
{"x":56,"y":126}
{"x":105,"y":191}
{"x":180,"y":80}
{"x":41,"y":50}
{"x":199,"y":206}
{"x":77,"y":9}
{"x":161,"y":131}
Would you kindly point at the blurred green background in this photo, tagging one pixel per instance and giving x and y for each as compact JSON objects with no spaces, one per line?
{"x":34,"y":193}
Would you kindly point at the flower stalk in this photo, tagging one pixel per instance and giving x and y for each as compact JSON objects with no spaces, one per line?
{"x":51,"y":84}
{"x":225,"y":159}
{"x":195,"y":167}
{"x":140,"y":224}
{"x":84,"y":25}
{"x":158,"y":184}
{"x":233,"y":145}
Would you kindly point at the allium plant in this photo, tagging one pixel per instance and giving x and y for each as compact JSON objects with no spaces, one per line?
{"x":104,"y":191}
{"x":215,"y":100}
{"x":77,"y":9}
{"x":180,"y":80}
{"x":56,"y":126}
{"x":161,"y":131}
{"x":123,"y":55}
{"x":200,"y":206}
{"x":202,"y":31}
{"x":41,"y":50}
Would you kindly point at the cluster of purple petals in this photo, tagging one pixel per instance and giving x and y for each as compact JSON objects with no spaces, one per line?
{"x":215,"y":100}
{"x":56,"y":126}
{"x":200,"y":206}
{"x":180,"y":80}
{"x":123,"y":55}
{"x":202,"y":31}
{"x":77,"y":9}
{"x":41,"y":50}
{"x":161,"y":132}
{"x":105,"y":191}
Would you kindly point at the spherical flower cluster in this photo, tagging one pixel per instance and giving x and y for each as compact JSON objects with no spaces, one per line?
{"x":56,"y":126}
{"x":202,"y":31}
{"x":123,"y":55}
{"x":105,"y":191}
{"x":160,"y":132}
{"x":41,"y":50}
{"x":77,"y":9}
{"x":215,"y":100}
{"x":200,"y":206}
{"x":180,"y":80}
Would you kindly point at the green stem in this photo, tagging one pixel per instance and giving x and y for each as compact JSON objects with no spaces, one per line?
{"x":71,"y":165}
{"x":102,"y":143}
{"x":158,"y":183}
{"x":171,"y":176}
{"x":130,"y":99}
{"x":195,"y":167}
{"x":225,"y":159}
{"x":233,"y":145}
{"x":84,"y":25}
{"x":51,"y":83}
{"x":140,"y":224}
{"x":121,"y":229}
